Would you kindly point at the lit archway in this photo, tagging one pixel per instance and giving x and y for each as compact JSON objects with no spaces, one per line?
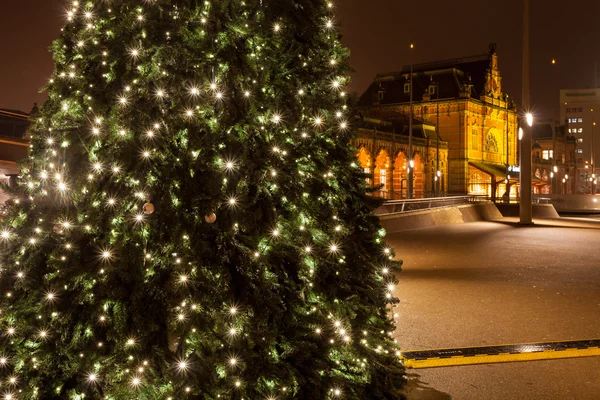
{"x":418,"y":176}
{"x":364,"y":158}
{"x":400,"y":174}
{"x":382,"y":170}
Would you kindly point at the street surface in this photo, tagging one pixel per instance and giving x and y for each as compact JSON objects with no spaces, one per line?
{"x":489,"y":283}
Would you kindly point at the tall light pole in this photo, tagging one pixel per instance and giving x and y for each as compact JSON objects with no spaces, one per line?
{"x":525,"y":207}
{"x":593,"y":162}
{"x":411,"y":163}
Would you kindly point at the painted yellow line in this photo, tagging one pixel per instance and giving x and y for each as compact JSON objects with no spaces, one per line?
{"x":499,"y":358}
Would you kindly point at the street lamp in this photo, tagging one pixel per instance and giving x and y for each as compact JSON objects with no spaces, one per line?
{"x":525,"y":206}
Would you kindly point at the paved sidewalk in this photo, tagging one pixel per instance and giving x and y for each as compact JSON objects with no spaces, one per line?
{"x":488,"y":283}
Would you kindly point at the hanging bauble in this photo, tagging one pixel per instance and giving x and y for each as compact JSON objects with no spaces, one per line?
{"x":148,"y":208}
{"x":58,"y":228}
{"x":210,"y":218}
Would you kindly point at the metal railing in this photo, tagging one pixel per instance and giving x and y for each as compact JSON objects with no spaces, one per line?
{"x":409,"y":205}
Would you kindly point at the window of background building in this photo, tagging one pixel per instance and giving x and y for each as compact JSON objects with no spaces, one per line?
{"x":580,"y":151}
{"x":579,"y":140}
{"x":580,"y":110}
{"x":407,"y":88}
{"x":547,"y":154}
{"x":580,"y":160}
{"x":580,"y":120}
{"x":580,"y":130}
{"x":383,"y":179}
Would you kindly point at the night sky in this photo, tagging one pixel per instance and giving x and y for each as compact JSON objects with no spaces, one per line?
{"x":378,"y":32}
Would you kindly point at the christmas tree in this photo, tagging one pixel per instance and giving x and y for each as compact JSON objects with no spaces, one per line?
{"x":191,"y":221}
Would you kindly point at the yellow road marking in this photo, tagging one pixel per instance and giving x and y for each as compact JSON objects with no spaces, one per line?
{"x":499,"y":358}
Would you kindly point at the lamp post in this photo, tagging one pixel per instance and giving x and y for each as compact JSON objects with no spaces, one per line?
{"x":554,"y":175}
{"x":593,"y":163}
{"x":410,"y":132}
{"x":525,"y":207}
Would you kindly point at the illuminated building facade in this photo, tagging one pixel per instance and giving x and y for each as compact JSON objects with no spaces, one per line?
{"x":462,"y":100}
{"x":383,"y":150}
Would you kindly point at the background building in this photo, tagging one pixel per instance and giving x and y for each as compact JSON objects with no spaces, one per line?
{"x":383,"y":149}
{"x":463,"y":98}
{"x":14,"y":145}
{"x":578,"y":110}
{"x":553,"y":158}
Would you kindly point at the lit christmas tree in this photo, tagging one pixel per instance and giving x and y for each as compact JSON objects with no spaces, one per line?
{"x":191,"y":222}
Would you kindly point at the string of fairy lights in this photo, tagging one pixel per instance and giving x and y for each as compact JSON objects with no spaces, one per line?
{"x":48,"y":177}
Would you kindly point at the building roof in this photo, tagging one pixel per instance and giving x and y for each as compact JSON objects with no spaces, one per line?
{"x":452,"y":76}
{"x":13,"y":123}
{"x":398,"y":126}
{"x":543,"y":130}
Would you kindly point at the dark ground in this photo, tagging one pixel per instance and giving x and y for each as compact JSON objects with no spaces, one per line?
{"x":490,"y":283}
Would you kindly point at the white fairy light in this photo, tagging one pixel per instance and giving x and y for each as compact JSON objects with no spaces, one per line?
{"x":160,"y":93}
{"x":277,"y":27}
{"x":182,"y":365}
{"x":106,"y":255}
{"x":194,"y":91}
{"x":276,"y":118}
{"x":136,"y":381}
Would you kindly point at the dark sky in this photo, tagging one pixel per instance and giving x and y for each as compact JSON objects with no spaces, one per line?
{"x":378,"y":33}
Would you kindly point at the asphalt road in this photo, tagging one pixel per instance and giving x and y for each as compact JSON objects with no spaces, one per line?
{"x":491,"y":283}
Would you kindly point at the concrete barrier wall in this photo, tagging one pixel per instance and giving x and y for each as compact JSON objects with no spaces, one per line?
{"x":543,"y":211}
{"x":440,"y":216}
{"x":573,"y":203}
